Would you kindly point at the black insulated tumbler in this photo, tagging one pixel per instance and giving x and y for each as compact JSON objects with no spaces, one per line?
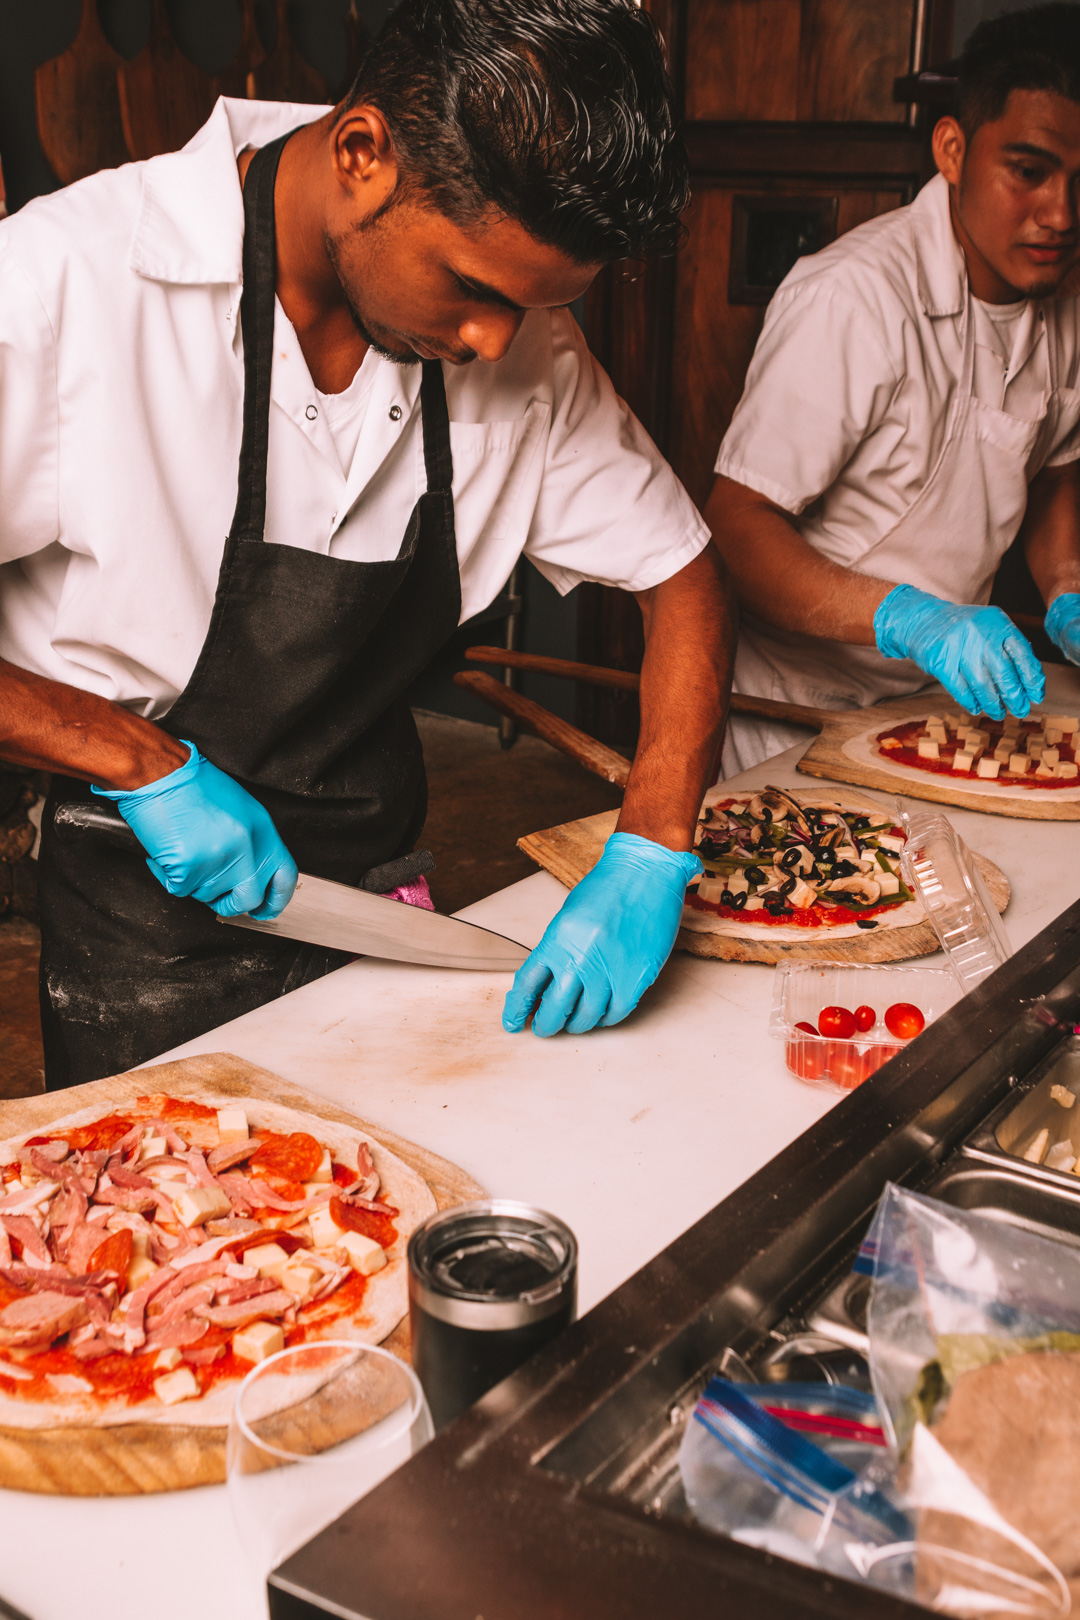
{"x":489,"y":1283}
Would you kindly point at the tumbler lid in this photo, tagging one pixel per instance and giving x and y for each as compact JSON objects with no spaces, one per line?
{"x":492,"y":1265}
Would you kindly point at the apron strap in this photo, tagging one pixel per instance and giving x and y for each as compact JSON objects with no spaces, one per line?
{"x":438,"y":459}
{"x":257,"y":326}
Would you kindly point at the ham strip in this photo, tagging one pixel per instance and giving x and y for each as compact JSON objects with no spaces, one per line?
{"x":203,"y":1355}
{"x":237,"y":1316}
{"x":5,"y":1247}
{"x":133,"y":1198}
{"x":371,"y":1204}
{"x":177,"y":1336}
{"x":23,"y":1229}
{"x":39,"y":1319}
{"x":129,"y":1178}
{"x":183,"y":1305}
{"x":369,"y":1176}
{"x":27,"y":1198}
{"x":223,"y":1158}
{"x":197,"y":1165}
{"x":237,"y":1292}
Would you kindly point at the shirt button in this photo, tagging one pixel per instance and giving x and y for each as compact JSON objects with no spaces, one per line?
{"x":395,"y":413}
{"x":312,"y":412}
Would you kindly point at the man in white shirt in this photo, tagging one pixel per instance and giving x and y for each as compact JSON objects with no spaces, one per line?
{"x":364,"y":310}
{"x":912,"y":400}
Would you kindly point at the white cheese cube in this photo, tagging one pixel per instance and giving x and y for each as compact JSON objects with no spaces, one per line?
{"x":939,"y":734}
{"x":737,"y":883}
{"x":934,"y":720}
{"x":193,"y":1205}
{"x":232,"y":1126}
{"x":891,"y":842}
{"x":1043,"y":770}
{"x":1064,"y":723}
{"x":153,"y":1147}
{"x":1037,"y":1150}
{"x":1063,"y":768}
{"x":325,"y":1172}
{"x":962,"y":760}
{"x":1050,"y":756}
{"x":1003,"y":753}
{"x":362,"y":1253}
{"x":1034,"y":746}
{"x":299,"y":1278}
{"x":267,"y":1258}
{"x":1060,"y":1157}
{"x":988,"y":768}
{"x":325,"y":1231}
{"x":139,"y":1269}
{"x":180,"y":1385}
{"x":1053,"y":736}
{"x":1063,"y":1096}
{"x":953,"y":718}
{"x":258,"y":1340}
{"x":755,"y":903}
{"x":889,"y":883}
{"x":976,"y":736}
{"x":1018,"y":764}
{"x":929,"y":748}
{"x":802,"y":895}
{"x":710,"y":890}
{"x":166,"y":1360}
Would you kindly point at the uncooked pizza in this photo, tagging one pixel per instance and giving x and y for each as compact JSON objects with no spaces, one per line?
{"x":1041,"y":752}
{"x":778,"y":864}
{"x":150,"y":1257}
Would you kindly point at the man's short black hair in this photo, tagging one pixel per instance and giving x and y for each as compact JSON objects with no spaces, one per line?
{"x":557,"y":113}
{"x":1022,"y":50}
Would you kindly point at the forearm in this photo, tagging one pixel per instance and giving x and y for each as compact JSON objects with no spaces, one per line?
{"x":1051,"y":530}
{"x":781,"y":579}
{"x":690,"y":628}
{"x":45,"y":725}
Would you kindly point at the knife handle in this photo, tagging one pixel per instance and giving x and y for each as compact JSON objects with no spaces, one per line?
{"x":74,"y":816}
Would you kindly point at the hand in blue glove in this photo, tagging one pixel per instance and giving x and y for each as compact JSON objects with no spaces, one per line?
{"x":207,"y":837}
{"x":977,"y":653}
{"x":605,"y":947}
{"x":1062,"y":624}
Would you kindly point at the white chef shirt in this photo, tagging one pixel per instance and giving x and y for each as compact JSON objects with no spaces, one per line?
{"x":121,"y":393}
{"x":848,"y":394}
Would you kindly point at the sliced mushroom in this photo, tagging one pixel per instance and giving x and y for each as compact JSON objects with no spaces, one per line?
{"x":768,"y":806}
{"x":862,"y":890}
{"x":794,"y":809}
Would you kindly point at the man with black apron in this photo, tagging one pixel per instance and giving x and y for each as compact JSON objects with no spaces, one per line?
{"x":914,"y":399}
{"x":286,"y":740}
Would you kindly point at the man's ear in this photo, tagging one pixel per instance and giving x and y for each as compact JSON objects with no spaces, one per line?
{"x":949,"y":146}
{"x":363,"y":155}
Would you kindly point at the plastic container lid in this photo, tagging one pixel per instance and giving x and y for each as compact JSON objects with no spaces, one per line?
{"x":937,"y":866}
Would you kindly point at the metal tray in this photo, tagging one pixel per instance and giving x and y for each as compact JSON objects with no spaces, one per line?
{"x":1009,"y":1131}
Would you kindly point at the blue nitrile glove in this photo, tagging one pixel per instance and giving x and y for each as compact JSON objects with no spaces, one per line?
{"x":605,"y":947}
{"x":1062,"y":624}
{"x":207,"y":837}
{"x":977,"y":653}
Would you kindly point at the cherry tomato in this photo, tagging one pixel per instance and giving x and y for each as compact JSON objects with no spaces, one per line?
{"x":807,"y":1029}
{"x":847,"y":1066}
{"x":836,"y":1021}
{"x":806,"y":1057}
{"x":904,"y":1021}
{"x":865,"y":1018}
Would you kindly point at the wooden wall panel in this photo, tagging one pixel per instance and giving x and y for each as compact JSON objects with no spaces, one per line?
{"x":714,"y":340}
{"x":745,"y":59}
{"x":824,"y":61}
{"x":850,"y":51}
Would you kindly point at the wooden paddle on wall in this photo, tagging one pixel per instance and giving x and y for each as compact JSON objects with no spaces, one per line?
{"x":164,"y":97}
{"x":285,"y":75}
{"x":78,"y":104}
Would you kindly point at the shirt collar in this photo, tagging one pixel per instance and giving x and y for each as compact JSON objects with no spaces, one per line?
{"x":191,"y":223}
{"x":942,"y":271}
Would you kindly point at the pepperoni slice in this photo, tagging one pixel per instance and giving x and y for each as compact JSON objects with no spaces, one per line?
{"x":380,"y":1228}
{"x":114,"y":1254}
{"x":343,"y":1176}
{"x":268,"y":1234}
{"x":99,"y":1137}
{"x":296,"y":1157}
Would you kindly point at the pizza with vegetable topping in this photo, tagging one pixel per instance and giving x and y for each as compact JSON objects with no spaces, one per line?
{"x":150,"y":1257}
{"x":778,"y":864}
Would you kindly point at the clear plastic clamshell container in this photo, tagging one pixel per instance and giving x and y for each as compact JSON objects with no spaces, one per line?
{"x":937,"y":866}
{"x":804,"y":989}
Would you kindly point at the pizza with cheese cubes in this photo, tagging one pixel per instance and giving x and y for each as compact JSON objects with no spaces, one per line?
{"x":1010,"y":755}
{"x":778,"y":864}
{"x":150,"y":1257}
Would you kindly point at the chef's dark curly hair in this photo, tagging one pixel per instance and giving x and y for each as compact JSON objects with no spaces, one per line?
{"x":557,"y":113}
{"x":1022,"y":50}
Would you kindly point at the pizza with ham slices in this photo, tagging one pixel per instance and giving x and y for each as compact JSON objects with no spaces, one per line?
{"x":149,"y":1257}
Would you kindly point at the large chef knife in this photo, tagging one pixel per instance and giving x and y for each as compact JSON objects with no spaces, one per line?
{"x":343,"y":918}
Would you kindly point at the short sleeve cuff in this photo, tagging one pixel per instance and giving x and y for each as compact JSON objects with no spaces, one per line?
{"x":740,"y":473}
{"x":653,"y":571}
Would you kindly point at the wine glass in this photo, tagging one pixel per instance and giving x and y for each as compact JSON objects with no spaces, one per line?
{"x":313,"y":1429}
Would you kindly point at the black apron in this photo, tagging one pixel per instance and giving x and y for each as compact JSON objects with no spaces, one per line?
{"x":298,"y":694}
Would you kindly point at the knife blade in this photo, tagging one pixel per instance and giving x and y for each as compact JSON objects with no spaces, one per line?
{"x":347,"y":919}
{"x":340,"y":917}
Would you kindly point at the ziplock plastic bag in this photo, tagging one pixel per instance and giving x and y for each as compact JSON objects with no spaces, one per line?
{"x":974,"y":1330}
{"x":794,"y":1468}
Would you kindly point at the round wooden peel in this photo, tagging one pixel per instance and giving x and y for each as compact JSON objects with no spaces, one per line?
{"x":133,"y":1459}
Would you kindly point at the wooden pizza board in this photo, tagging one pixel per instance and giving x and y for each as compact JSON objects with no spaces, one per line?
{"x":826,"y":758}
{"x":571,"y":850}
{"x":131,"y":1459}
